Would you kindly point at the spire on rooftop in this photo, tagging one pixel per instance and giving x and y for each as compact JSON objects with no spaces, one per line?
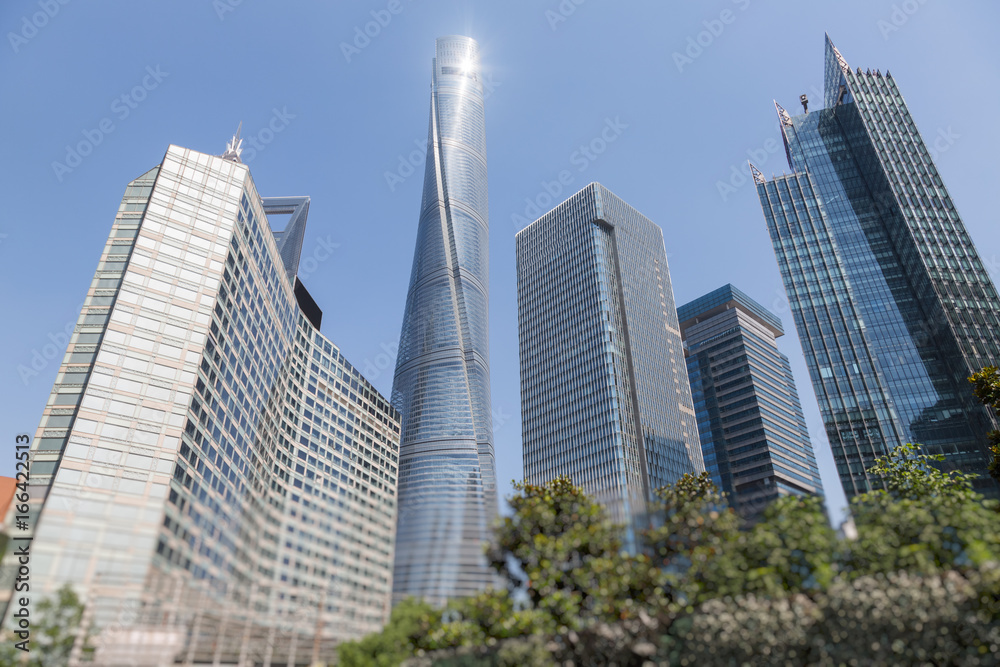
{"x":234,"y":147}
{"x":840,"y":59}
{"x":835,"y":79}
{"x":786,"y":122}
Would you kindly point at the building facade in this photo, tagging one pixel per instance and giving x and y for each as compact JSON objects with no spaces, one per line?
{"x":447,"y":480}
{"x":210,"y":474}
{"x":891,"y":301}
{"x":605,"y":397}
{"x":753,"y":433}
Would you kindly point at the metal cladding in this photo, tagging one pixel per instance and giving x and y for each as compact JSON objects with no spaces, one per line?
{"x":891,"y":301}
{"x":209,"y":466}
{"x":447,"y":480}
{"x":605,"y":397}
{"x":753,"y":431}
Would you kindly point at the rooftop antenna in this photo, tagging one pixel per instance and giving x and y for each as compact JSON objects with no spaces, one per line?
{"x":234,"y":147}
{"x":805,"y":102}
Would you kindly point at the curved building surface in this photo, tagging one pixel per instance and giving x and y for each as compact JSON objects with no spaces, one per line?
{"x":447,"y":480}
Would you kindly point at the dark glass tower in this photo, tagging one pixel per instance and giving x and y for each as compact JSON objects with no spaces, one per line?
{"x":753,"y":433}
{"x":604,"y":395}
{"x":892,"y":304}
{"x":447,"y":481}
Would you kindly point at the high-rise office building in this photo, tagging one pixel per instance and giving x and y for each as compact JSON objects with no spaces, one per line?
{"x":447,"y":480}
{"x":210,"y":474}
{"x":605,"y":396}
{"x":753,"y":433}
{"x":891,"y":301}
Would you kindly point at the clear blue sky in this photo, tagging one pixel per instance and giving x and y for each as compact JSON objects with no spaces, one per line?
{"x":683,"y":127}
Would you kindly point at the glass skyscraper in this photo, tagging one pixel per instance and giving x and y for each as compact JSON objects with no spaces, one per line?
{"x":210,"y":474}
{"x":753,"y":433}
{"x":447,"y":479}
{"x":605,"y":396}
{"x":891,"y":301}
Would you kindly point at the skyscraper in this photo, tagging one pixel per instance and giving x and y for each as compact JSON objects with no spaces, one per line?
{"x":210,"y":474}
{"x":753,"y":433}
{"x":447,"y":481}
{"x":605,"y":397}
{"x":892,"y":304}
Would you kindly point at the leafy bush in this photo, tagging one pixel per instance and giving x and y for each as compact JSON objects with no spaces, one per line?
{"x":986,"y":384}
{"x":569,"y":559}
{"x":900,"y":618}
{"x":54,"y":627}
{"x":919,"y":585}
{"x":410,"y":619}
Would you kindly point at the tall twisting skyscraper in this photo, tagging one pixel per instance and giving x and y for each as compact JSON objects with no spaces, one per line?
{"x":605,"y":397}
{"x":753,"y":432}
{"x":447,"y":485}
{"x":892,"y":304}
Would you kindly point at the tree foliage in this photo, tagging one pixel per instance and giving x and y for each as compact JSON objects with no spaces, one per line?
{"x":714,"y":552}
{"x":481,"y":619}
{"x":919,"y":583}
{"x":695,"y":523}
{"x":986,"y":384}
{"x":410,"y":621}
{"x":895,"y":619}
{"x":561,"y":549}
{"x":924,"y":521}
{"x":55,"y":624}
{"x":791,"y":549}
{"x":910,"y":475}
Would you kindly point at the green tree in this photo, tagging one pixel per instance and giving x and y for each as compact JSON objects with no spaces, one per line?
{"x":410,"y":621}
{"x":54,"y":627}
{"x":790,"y":550}
{"x":715,"y":553}
{"x":784,"y":586}
{"x":909,"y":475}
{"x":561,"y":549}
{"x":986,"y":384}
{"x":924,"y":521}
{"x":480,"y":619}
{"x":694,"y":522}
